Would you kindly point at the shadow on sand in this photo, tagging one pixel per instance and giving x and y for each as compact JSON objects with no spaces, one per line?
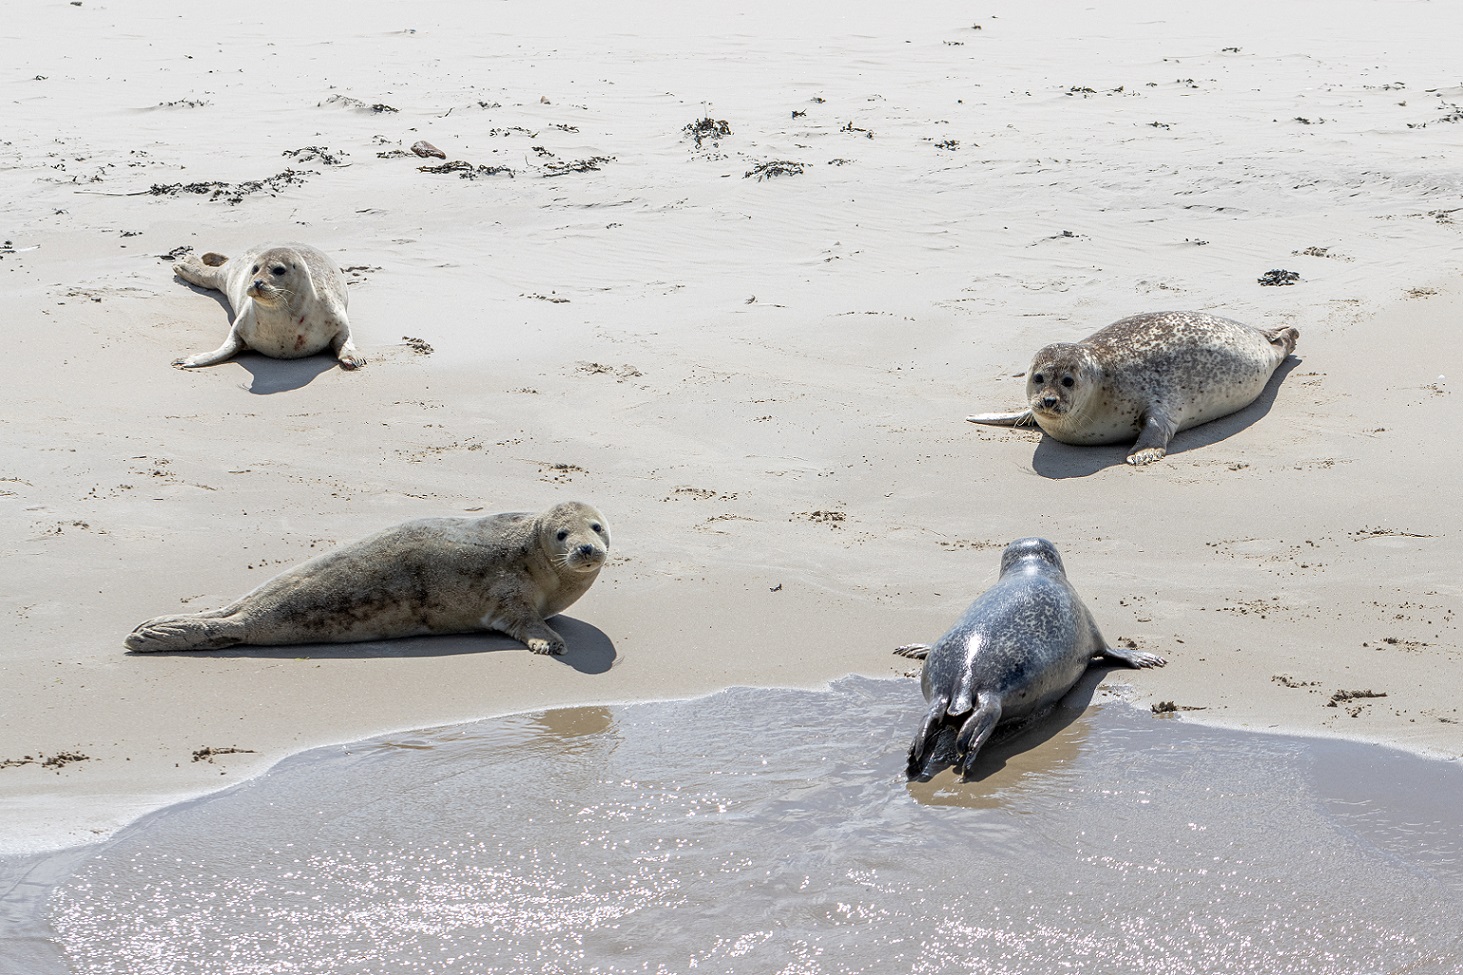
{"x":589,"y":651}
{"x":270,"y":375}
{"x":283,"y":375}
{"x":1059,"y":460}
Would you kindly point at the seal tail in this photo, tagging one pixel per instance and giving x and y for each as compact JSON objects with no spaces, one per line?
{"x":924,"y":740}
{"x":1284,"y":337}
{"x":190,"y":632}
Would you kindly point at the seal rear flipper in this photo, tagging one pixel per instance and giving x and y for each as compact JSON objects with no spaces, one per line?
{"x":924,"y":740}
{"x":1022,"y":419}
{"x":1131,"y":657}
{"x":975,"y":733}
{"x":184,"y":633}
{"x":916,"y":651}
{"x":1284,"y":337}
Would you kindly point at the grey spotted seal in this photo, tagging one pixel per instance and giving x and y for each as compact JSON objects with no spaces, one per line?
{"x":288,"y":300}
{"x":1020,"y":646}
{"x":1148,"y":376}
{"x":507,"y":572}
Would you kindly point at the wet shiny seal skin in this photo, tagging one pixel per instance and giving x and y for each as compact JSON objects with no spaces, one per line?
{"x":506,"y":572}
{"x":1019,"y":647}
{"x":288,"y":301}
{"x":1148,"y":377}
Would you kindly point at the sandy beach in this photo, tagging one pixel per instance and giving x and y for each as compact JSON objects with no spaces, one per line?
{"x":762,"y":382}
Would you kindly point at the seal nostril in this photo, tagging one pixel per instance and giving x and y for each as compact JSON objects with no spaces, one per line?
{"x":586,"y":550}
{"x":1049,"y":401}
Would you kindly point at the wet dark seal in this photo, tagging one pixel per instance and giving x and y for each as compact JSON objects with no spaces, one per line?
{"x":506,"y":572}
{"x":1018,"y":648}
{"x":1148,"y":377}
{"x":289,"y":302}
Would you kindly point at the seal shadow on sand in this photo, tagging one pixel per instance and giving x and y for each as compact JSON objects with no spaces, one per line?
{"x":589,"y":650}
{"x":270,"y":375}
{"x":1058,"y":460}
{"x":1014,"y":753}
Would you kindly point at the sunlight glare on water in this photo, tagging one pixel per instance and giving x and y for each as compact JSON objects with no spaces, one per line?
{"x":761,"y":831}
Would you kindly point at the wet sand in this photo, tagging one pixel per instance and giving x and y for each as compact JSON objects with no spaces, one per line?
{"x":763,"y":830}
{"x":761,"y":382}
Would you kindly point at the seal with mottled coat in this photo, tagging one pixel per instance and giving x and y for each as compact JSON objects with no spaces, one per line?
{"x":1020,"y":646}
{"x":288,"y":300}
{"x":1148,"y":376}
{"x":506,"y":572}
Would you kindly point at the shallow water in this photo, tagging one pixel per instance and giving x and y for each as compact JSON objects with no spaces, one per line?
{"x":768,"y":831}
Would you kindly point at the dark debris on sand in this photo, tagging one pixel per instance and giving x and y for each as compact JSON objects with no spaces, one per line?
{"x":709,"y":128}
{"x":56,"y":761}
{"x":776,"y":167}
{"x":467,"y":170}
{"x":233,"y":192}
{"x":1278,"y":277}
{"x":320,"y":154}
{"x":207,"y":753}
{"x":590,"y":165}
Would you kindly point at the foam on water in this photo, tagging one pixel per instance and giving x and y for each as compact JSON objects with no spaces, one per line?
{"x":767,"y":831}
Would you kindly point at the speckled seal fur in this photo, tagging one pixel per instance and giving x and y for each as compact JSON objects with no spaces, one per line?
{"x":506,"y":572}
{"x":288,"y":301}
{"x":1148,"y":377}
{"x":1020,"y":646}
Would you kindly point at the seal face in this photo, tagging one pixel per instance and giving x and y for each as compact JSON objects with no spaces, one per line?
{"x":1020,"y":646}
{"x":506,"y":572}
{"x":1147,"y":377}
{"x":289,"y":302}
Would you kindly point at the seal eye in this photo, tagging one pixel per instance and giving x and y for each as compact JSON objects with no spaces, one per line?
{"x":597,"y":530}
{"x":278,"y":270}
{"x":1068,"y":382}
{"x":1038,"y":378}
{"x":563,"y":534}
{"x":256,"y":268}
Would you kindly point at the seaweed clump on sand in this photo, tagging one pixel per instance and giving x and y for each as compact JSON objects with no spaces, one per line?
{"x":590,"y":165}
{"x":466,"y":170}
{"x":776,"y":167}
{"x":1279,"y":277}
{"x":707,"y":128}
{"x":233,"y":192}
{"x":320,"y":154}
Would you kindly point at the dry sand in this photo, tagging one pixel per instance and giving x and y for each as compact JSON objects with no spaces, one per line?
{"x":760,"y":382}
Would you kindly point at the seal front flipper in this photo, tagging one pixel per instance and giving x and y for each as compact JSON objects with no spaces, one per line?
{"x":232,"y":346}
{"x":530,"y":631}
{"x":1133,"y":658}
{"x":1152,"y":445}
{"x":1022,"y":419}
{"x":917,"y":651}
{"x":975,"y":732}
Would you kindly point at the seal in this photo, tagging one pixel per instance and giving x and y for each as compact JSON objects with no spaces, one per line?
{"x":288,"y":301}
{"x":1148,"y":376}
{"x":1020,"y":646}
{"x":505,"y":572}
